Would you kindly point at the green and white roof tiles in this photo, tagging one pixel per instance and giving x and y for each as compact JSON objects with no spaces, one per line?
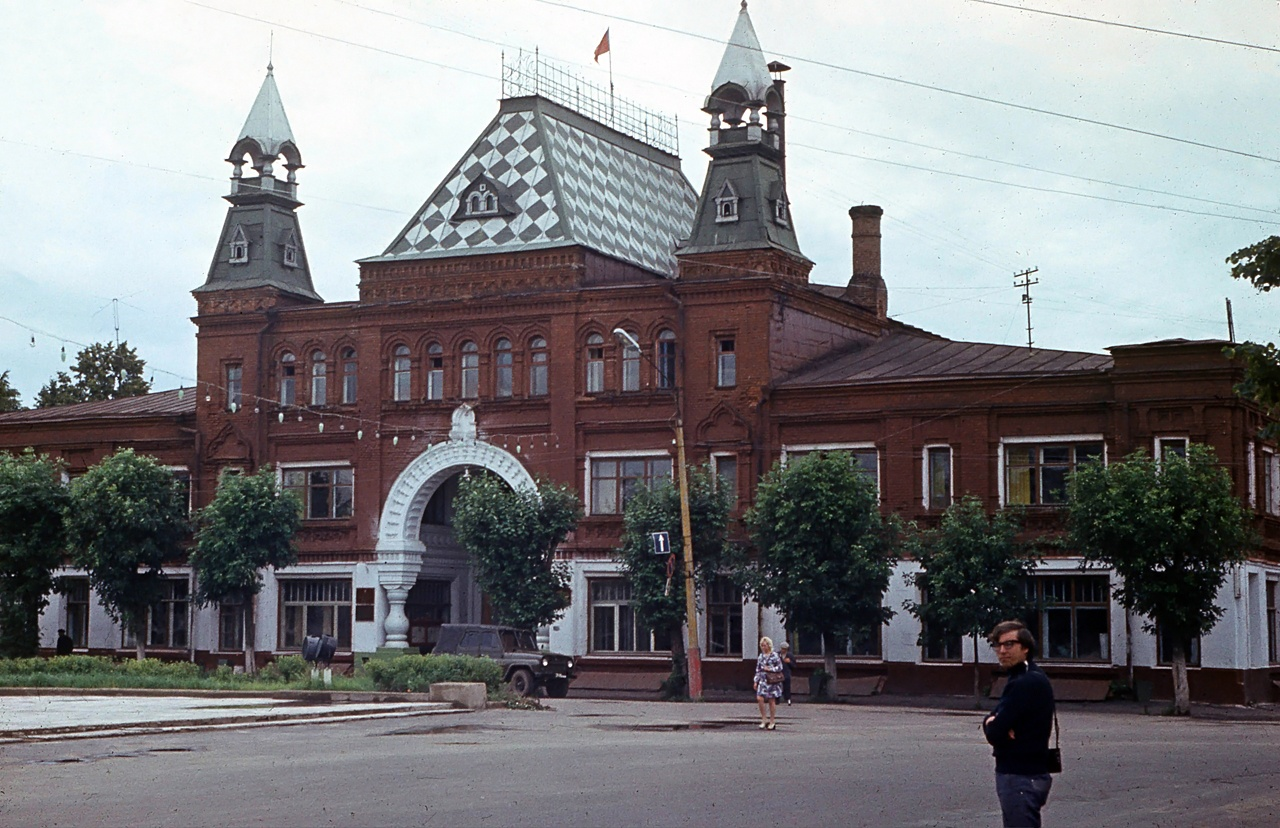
{"x":571,"y":181}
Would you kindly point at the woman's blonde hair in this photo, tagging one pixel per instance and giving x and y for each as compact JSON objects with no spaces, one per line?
{"x":766,"y":644}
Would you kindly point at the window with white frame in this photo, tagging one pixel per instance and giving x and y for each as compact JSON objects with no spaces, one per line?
{"x":503,"y":369}
{"x":937,"y":477}
{"x":1071,"y":616}
{"x":291,"y":250}
{"x":401,"y":374}
{"x":667,"y":359}
{"x":168,"y":619}
{"x":239,"y":247}
{"x":350,"y":376}
{"x":435,"y":371}
{"x":1036,"y":472}
{"x":860,"y":643}
{"x":865,"y":457}
{"x":315,"y":606}
{"x":630,"y":365}
{"x":726,"y":475}
{"x":470,"y":375}
{"x":288,"y":379}
{"x":538,"y":357}
{"x":231,"y":622}
{"x":724,"y":617}
{"x":1171,"y":447}
{"x":235,"y":386}
{"x":1273,"y":622}
{"x":319,"y":378}
{"x":326,"y":493}
{"x":726,"y":363}
{"x":727,"y":204}
{"x":615,"y":628}
{"x":1270,"y":482}
{"x":595,"y":364}
{"x":614,"y":480}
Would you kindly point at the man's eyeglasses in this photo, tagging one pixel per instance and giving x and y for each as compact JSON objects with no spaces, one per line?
{"x":1005,"y":645}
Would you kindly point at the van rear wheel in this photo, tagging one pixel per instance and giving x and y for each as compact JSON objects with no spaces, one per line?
{"x":521,"y":683}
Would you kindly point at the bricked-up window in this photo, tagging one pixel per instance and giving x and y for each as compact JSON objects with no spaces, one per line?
{"x":503,"y":378}
{"x":320,"y":606}
{"x":77,"y":622}
{"x":235,"y":386}
{"x":724,"y":618}
{"x":615,"y":480}
{"x":726,"y":363}
{"x":667,"y":359}
{"x":288,"y":379}
{"x":1072,"y":617}
{"x":595,"y":363}
{"x":470,"y":370}
{"x":614,"y":625}
{"x":319,"y":378}
{"x":630,"y":365}
{"x":350,"y":376}
{"x":326,"y":493}
{"x":938,"y":477}
{"x":435,"y":371}
{"x":231,"y":626}
{"x":538,"y":357}
{"x":401,"y":374}
{"x":1036,"y":473}
{"x":167,"y":618}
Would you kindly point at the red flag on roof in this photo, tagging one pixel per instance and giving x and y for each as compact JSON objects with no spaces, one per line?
{"x":604,"y":45}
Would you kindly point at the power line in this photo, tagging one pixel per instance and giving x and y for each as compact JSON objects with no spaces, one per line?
{"x":1133,"y":26}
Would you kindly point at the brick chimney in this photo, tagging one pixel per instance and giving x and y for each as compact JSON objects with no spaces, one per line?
{"x":866,"y":287}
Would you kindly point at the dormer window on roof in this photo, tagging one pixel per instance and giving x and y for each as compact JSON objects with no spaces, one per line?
{"x":239,"y":247}
{"x":727,"y":203}
{"x":484,"y":198}
{"x":290,"y":249}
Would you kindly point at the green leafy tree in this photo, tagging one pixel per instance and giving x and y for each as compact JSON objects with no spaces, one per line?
{"x":657,"y":592}
{"x":972,"y":576}
{"x":1171,"y":529}
{"x":512,"y":536}
{"x":103,"y":371}
{"x":127,"y":516}
{"x":1259,"y":265}
{"x":248,"y":526}
{"x":825,"y":553}
{"x":32,"y":504}
{"x":10,"y":399}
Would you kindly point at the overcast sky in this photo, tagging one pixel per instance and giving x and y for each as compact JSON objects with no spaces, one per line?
{"x":117,"y":117}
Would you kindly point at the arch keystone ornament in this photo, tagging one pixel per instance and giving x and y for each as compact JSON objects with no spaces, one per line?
{"x":400,"y":548}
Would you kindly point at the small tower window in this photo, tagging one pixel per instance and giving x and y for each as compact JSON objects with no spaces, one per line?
{"x":291,"y":251}
{"x":727,"y":204}
{"x":780,"y":211}
{"x":239,"y":247}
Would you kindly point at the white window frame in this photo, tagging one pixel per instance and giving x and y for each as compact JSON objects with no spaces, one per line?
{"x":716,"y":457}
{"x":1047,"y":438}
{"x":1157,"y":445}
{"x":924,"y":474}
{"x":239,"y":247}
{"x":809,"y":448}
{"x":618,"y":455}
{"x":318,"y":465}
{"x":1269,"y":491}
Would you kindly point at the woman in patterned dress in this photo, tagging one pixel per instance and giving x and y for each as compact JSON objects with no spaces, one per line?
{"x":766,"y":693}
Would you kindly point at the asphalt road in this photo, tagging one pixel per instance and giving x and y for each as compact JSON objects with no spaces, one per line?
{"x":615,"y":763}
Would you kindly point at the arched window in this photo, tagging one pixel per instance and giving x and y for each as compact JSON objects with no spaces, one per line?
{"x":470,"y":371}
{"x":630,"y":366}
{"x":349,"y":367}
{"x":538,"y":367}
{"x":319,"y":378}
{"x":727,"y":203}
{"x":503,"y":379}
{"x":401,"y":375}
{"x":288,"y":379}
{"x":667,"y":359}
{"x":595,"y":363}
{"x":435,"y":371}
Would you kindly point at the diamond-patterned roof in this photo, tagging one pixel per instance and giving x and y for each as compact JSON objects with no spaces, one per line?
{"x":574,"y":181}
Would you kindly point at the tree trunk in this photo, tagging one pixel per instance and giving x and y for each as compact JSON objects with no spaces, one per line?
{"x":829,"y":658}
{"x":1181,"y":690}
{"x":139,"y":637}
{"x":977,"y":676}
{"x":250,"y":658}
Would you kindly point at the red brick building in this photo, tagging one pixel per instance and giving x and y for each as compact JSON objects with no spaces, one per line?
{"x":483,"y":337}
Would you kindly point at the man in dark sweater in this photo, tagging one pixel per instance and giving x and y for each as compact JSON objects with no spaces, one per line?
{"x":1018,"y":729}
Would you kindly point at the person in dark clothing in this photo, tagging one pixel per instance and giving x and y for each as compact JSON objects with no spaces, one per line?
{"x":784,"y":654}
{"x":65,"y":644}
{"x":1018,"y":729}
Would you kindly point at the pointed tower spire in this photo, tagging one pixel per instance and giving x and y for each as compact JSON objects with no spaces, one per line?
{"x":261,"y":242}
{"x":744,"y":204}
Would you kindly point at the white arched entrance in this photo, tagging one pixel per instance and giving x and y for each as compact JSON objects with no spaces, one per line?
{"x":402,"y":554}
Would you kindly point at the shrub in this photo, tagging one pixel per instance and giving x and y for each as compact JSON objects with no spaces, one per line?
{"x":154,"y":667}
{"x":416,"y":673}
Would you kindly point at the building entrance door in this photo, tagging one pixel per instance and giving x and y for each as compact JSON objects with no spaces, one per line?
{"x":428,"y":606}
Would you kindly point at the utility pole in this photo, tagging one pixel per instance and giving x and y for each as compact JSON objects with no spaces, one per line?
{"x":1026,"y":284}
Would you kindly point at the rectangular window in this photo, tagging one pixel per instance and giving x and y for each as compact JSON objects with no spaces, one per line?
{"x":863,"y":643}
{"x":726,"y":478}
{"x":1171,"y":447}
{"x":1164,"y":649}
{"x":77,"y":593}
{"x":937,"y":477}
{"x":724,"y":618}
{"x":235,"y":387}
{"x":726,"y":364}
{"x":938,"y":646}
{"x":615,"y":480}
{"x":231,"y":618}
{"x":866,"y":461}
{"x":350,"y":377}
{"x":1036,"y":473}
{"x":667,"y":362}
{"x":595,"y":368}
{"x":630,"y":368}
{"x":435,"y":378}
{"x":1270,"y":482}
{"x":1072,"y":616}
{"x":167,"y":619}
{"x":614,"y":625}
{"x":1273,"y":622}
{"x":538,"y":375}
{"x":325,"y":493}
{"x":315,"y":607}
